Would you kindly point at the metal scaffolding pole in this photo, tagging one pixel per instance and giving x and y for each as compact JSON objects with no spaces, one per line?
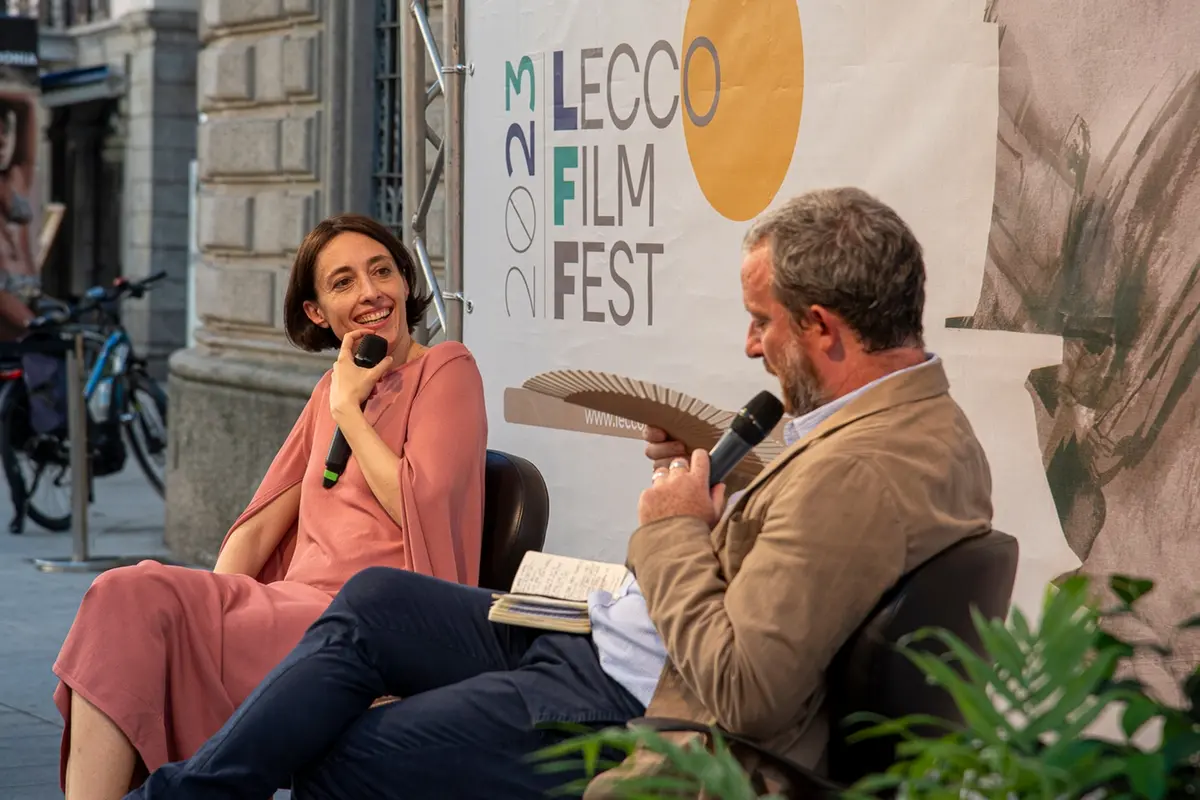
{"x":414,"y":98}
{"x":419,"y":187}
{"x":455,"y":78}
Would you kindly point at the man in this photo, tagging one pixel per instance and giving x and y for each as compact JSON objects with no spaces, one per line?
{"x":733,"y":616}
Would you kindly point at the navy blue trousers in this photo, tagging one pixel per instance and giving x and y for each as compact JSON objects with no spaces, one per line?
{"x":476,"y":695}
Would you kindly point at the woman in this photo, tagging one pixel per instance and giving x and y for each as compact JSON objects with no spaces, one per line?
{"x":159,"y":657}
{"x":18,"y":270}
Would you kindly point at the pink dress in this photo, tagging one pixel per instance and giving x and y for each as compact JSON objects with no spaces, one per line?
{"x":168,"y":653}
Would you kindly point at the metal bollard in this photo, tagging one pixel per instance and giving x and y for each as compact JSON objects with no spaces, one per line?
{"x":81,"y":559}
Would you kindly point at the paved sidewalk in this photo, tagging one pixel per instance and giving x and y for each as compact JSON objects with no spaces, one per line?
{"x":36,"y":609}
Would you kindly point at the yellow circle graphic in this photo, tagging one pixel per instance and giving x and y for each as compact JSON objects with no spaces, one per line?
{"x":742,"y":88}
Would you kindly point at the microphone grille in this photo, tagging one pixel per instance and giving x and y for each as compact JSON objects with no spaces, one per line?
{"x":371,"y":350}
{"x":763,"y":412}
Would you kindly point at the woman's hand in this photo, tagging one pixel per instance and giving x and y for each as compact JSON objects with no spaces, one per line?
{"x":351,"y":385}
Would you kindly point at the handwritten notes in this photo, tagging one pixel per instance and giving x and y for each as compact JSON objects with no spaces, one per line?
{"x":565,"y":578}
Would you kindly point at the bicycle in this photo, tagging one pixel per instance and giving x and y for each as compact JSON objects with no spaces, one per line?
{"x":124,"y":403}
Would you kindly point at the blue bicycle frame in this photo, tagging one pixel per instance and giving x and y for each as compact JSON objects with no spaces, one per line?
{"x":109,"y":364}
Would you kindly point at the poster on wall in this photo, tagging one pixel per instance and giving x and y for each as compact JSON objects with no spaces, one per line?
{"x":617,"y":153}
{"x":19,"y":203}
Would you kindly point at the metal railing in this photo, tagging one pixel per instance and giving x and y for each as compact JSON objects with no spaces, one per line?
{"x":20,"y":8}
{"x":59,"y":14}
{"x":388,"y":170}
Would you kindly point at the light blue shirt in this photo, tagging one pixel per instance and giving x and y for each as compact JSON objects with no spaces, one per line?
{"x":630,"y":649}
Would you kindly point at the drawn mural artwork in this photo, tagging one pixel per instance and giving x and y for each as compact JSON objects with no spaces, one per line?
{"x":19,"y":206}
{"x":1096,"y":238}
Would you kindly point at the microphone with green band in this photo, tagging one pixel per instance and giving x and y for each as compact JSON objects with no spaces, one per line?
{"x":371,"y":350}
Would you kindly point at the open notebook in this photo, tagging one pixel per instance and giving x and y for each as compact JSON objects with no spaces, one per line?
{"x":551,"y":592}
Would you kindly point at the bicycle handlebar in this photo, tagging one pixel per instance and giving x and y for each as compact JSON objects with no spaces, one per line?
{"x":136,"y":289}
{"x":96,"y":297}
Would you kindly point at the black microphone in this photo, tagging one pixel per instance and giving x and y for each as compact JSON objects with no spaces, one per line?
{"x":752,"y":424}
{"x":371,"y":350}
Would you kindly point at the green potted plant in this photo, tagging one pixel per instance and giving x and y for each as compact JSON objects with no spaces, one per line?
{"x":1028,"y":702}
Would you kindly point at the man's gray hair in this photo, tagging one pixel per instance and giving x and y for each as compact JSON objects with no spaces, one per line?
{"x":852,"y":254}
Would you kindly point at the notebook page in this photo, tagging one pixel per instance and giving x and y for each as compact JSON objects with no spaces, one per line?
{"x":565,"y":578}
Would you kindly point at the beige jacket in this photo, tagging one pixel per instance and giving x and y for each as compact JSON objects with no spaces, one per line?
{"x":752,"y":612}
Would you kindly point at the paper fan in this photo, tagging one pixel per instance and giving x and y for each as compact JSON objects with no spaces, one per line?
{"x":687,"y":419}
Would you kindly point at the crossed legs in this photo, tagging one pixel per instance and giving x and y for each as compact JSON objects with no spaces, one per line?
{"x":474,"y":693}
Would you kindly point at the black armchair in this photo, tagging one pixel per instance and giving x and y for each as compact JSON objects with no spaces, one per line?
{"x":516,"y":511}
{"x":869,"y":675}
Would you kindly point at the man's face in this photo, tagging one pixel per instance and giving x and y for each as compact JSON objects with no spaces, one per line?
{"x":776,"y":338}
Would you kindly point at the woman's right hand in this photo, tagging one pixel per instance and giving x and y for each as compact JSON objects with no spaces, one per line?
{"x":661,"y":448}
{"x":351,"y":385}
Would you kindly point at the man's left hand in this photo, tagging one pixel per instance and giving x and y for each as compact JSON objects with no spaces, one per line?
{"x":681,"y":489}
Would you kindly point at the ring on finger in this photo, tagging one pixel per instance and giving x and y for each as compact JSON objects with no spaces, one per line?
{"x":679,"y":463}
{"x":658,"y":474}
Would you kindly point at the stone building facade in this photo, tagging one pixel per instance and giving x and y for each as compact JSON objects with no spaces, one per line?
{"x":119,"y":139}
{"x":297,"y":123}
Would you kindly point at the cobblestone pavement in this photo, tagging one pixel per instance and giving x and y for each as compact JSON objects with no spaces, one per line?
{"x":36,"y":609}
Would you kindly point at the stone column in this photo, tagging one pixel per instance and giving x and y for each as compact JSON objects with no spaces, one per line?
{"x":160,"y":144}
{"x":285,"y":91}
{"x":135,"y":206}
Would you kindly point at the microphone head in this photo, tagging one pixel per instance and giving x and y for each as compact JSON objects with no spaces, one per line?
{"x":371,"y":350}
{"x":758,"y":418}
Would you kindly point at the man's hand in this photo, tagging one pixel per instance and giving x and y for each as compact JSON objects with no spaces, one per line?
{"x":680,"y":489}
{"x":351,"y":385}
{"x":661,"y":448}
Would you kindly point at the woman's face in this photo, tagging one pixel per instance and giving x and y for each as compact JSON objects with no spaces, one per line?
{"x":359,"y":285}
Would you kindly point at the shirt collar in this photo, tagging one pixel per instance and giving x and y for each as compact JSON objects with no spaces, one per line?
{"x":799,"y":427}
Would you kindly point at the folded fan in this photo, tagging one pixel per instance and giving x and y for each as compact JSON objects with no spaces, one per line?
{"x":689,"y":420}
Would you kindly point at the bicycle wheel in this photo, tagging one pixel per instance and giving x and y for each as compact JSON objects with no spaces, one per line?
{"x":37,"y":467}
{"x":145,"y":420}
{"x":8,"y":455}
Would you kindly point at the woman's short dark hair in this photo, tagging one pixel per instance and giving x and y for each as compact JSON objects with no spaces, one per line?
{"x":302,"y":283}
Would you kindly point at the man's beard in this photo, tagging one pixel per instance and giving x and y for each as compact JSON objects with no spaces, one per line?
{"x":798,"y":380}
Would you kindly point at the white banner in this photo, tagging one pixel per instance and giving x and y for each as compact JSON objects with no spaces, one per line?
{"x":615,"y":153}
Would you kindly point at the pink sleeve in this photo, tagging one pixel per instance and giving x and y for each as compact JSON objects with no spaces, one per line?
{"x":442,"y":471}
{"x":286,"y":470}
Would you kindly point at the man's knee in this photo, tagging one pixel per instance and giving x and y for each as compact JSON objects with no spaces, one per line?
{"x":396,"y":590}
{"x":371,"y":586}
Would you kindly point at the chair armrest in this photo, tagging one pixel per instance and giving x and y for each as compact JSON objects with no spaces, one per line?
{"x":801,"y":778}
